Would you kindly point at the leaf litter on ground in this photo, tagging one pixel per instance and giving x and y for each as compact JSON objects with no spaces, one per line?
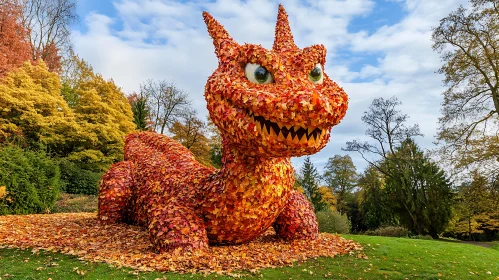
{"x":81,"y":234}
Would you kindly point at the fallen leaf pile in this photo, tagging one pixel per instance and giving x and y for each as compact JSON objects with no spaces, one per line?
{"x":81,"y":234}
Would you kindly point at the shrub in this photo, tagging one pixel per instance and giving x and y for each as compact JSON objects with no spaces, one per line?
{"x":333,"y":222}
{"x":76,"y":180}
{"x":391,"y":231}
{"x":30,"y":181}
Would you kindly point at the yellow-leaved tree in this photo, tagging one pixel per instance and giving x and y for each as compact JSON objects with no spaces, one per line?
{"x":328,"y":198}
{"x":104,"y":114}
{"x":32,"y":110}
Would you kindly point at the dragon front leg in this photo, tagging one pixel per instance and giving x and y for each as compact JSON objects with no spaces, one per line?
{"x":115,"y":193}
{"x":297,"y":220}
{"x":175,"y":226}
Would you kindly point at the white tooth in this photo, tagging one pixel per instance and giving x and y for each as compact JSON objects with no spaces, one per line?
{"x":309,"y":131}
{"x":258,"y":126}
{"x":289,"y":137}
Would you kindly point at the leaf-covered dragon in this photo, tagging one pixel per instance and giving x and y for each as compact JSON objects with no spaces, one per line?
{"x":269,"y":105}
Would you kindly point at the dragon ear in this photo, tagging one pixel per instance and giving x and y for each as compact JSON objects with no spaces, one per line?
{"x":225,"y":46}
{"x":283,"y":37}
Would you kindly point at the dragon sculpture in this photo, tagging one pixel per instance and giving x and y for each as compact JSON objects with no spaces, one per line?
{"x":269,"y":105}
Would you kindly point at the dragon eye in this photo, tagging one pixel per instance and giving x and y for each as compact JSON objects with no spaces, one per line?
{"x":257,"y":74}
{"x":315,"y":76}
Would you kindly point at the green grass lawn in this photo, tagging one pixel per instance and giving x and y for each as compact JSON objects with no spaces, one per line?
{"x":390,"y":258}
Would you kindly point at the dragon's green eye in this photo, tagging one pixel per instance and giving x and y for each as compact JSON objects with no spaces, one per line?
{"x":257,"y":74}
{"x":316,"y":76}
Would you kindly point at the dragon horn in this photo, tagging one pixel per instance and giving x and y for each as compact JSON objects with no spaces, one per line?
{"x":283,"y":36}
{"x":221,"y":39}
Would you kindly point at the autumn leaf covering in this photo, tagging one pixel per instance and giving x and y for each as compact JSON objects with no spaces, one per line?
{"x":185,"y":205}
{"x":81,"y":234}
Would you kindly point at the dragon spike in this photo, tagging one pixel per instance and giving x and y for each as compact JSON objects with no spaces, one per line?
{"x":283,"y":36}
{"x":221,"y":39}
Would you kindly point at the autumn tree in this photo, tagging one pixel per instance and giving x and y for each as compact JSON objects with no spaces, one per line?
{"x":472,"y":200}
{"x":49,"y":23}
{"x":419,"y":191}
{"x":340,"y":176}
{"x":168,"y":104}
{"x":328,"y":199}
{"x":468,"y":41}
{"x":476,"y":209}
{"x":32,"y":110}
{"x":104,"y":115}
{"x":215,"y":140}
{"x":386,"y":126}
{"x":14,"y":45}
{"x":191,"y":133}
{"x":308,"y":179}
{"x":140,"y":110}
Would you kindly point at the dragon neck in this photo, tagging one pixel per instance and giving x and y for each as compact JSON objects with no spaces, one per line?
{"x":241,"y":173}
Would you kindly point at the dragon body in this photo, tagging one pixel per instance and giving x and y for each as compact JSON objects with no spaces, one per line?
{"x":269,"y":105}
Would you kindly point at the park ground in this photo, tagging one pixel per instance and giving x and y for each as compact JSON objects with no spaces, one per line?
{"x":383,"y":258}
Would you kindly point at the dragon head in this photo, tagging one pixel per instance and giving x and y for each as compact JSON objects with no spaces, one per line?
{"x":276,"y":102}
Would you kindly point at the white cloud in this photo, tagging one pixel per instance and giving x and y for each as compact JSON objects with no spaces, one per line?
{"x":168,"y":40}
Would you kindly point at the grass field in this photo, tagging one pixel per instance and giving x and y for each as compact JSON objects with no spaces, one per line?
{"x":75,"y":203}
{"x":495,"y":246}
{"x":388,"y":258}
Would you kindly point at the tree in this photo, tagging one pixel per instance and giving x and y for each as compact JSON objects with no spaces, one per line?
{"x":328,"y":199}
{"x":476,"y":209}
{"x":374,"y":203}
{"x":49,"y":23}
{"x":104,"y":115}
{"x":468,"y":40}
{"x":191,"y":134}
{"x":308,"y":179}
{"x":141,"y":112}
{"x":420,"y":193}
{"x":167,"y":103}
{"x":215,"y":140}
{"x":14,"y":46}
{"x":32,"y":110}
{"x":386,"y":126}
{"x":340,"y":176}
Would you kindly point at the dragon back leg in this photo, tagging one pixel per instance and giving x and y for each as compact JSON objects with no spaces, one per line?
{"x":115,"y":193}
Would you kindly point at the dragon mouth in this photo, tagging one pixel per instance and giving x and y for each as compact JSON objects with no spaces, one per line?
{"x":291,"y":133}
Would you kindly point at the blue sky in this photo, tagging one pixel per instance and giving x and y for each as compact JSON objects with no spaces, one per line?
{"x":375,"y":49}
